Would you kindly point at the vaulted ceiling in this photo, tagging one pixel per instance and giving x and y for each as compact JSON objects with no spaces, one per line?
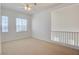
{"x":37,"y":8}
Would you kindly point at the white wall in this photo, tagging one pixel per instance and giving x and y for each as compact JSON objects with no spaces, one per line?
{"x":41,"y":26}
{"x":65,"y":24}
{"x":12,"y":34}
{"x":66,"y":19}
{"x":0,"y":28}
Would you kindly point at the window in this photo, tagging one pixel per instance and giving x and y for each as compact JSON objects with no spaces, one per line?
{"x":21,"y":25}
{"x":4,"y":24}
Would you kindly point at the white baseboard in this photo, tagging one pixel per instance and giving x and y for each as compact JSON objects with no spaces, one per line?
{"x":15,"y":39}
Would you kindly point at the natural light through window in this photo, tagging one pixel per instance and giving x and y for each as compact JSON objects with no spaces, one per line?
{"x":21,"y":25}
{"x":4,"y":24}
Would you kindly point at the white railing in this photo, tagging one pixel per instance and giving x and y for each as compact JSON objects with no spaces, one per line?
{"x":71,"y":38}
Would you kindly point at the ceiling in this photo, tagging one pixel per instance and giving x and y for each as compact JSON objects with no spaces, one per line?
{"x":37,"y":8}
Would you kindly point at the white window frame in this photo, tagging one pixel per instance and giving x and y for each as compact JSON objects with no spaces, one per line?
{"x":21,"y":25}
{"x":5,"y":23}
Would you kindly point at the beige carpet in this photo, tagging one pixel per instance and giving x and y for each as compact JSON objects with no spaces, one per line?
{"x":35,"y":47}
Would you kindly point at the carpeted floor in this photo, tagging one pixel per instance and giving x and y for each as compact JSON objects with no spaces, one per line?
{"x":35,"y":47}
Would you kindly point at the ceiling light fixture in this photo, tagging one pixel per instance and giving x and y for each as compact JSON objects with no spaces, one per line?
{"x":29,"y":6}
